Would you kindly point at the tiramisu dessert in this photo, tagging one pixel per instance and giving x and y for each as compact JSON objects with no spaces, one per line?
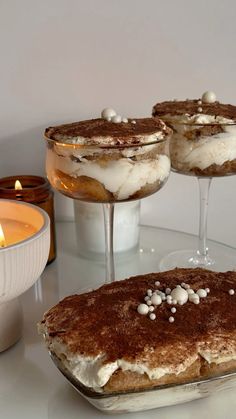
{"x":108,"y":159}
{"x":159,"y":328}
{"x":204,"y":135}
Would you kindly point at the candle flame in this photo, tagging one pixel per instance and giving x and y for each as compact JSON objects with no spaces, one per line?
{"x":18,"y":185}
{"x":2,"y":238}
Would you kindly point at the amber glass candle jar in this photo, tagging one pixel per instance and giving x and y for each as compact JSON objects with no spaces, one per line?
{"x":35,"y":190}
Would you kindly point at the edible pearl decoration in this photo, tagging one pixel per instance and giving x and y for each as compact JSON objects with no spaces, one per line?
{"x":116,"y":119}
{"x":156,"y":299}
{"x":173,"y":310}
{"x":152,"y":316}
{"x":157,"y":283}
{"x":171,"y":319}
{"x":151,"y":308}
{"x":133,"y":122}
{"x":149,"y":303}
{"x":231,"y":292}
{"x":199,"y":109}
{"x":125,"y":120}
{"x":207,"y":290}
{"x":108,"y":113}
{"x":143,"y":309}
{"x":149,"y":293}
{"x":190,"y":291}
{"x":202,"y":293}
{"x":180,"y":295}
{"x":168,"y":290}
{"x":209,"y":97}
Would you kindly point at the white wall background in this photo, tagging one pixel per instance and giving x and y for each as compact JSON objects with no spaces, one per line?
{"x":65,"y":60}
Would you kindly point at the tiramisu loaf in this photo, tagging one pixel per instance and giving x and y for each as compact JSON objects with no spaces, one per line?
{"x":204,"y":135}
{"x":148,"y":330}
{"x":99,"y":160}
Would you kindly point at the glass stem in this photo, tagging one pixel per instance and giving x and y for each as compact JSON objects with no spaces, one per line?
{"x":108,"y":212}
{"x":204,"y":186}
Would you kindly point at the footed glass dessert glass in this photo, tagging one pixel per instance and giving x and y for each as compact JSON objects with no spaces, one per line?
{"x":108,"y":174}
{"x":205,"y":151}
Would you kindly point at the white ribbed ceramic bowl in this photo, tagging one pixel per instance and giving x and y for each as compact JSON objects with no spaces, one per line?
{"x":21,"y":265}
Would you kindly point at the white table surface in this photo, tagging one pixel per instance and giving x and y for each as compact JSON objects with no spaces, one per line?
{"x":30,"y":385}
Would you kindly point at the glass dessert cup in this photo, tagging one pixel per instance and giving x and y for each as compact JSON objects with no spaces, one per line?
{"x":108,"y":174}
{"x":205,"y":151}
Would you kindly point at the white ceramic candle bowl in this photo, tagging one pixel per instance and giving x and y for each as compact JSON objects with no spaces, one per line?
{"x":21,"y":264}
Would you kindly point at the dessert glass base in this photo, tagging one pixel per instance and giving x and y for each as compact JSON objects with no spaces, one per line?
{"x":186,"y":259}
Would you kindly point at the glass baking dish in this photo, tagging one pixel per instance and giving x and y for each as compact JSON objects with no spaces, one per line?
{"x":145,"y":399}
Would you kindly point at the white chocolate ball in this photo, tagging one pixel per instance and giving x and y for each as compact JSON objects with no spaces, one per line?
{"x":231,"y":292}
{"x":194,"y":297}
{"x":133,"y":122}
{"x":157,"y":283}
{"x":174,"y":301}
{"x":116,"y":119}
{"x":108,"y":113}
{"x":209,"y":97}
{"x":156,"y":299}
{"x":180,"y":295}
{"x":151,"y":309}
{"x":149,"y":303}
{"x":202,"y":293}
{"x":168,"y":290}
{"x":149,"y":293}
{"x":125,"y":120}
{"x":171,"y":319}
{"x":143,"y":309}
{"x":173,"y":310}
{"x":207,"y":290}
{"x":152,"y":316}
{"x":190,"y":291}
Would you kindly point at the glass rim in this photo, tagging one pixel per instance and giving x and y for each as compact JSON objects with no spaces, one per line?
{"x":202,"y":124}
{"x":103,"y":145}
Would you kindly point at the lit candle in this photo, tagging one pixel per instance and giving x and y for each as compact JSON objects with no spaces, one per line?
{"x":24,"y":252}
{"x":12,"y":231}
{"x":34,"y":190}
{"x":2,"y":238}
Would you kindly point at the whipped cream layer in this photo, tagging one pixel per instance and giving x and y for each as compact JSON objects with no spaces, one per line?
{"x":122,"y":177}
{"x":205,"y":150}
{"x":94,"y":372}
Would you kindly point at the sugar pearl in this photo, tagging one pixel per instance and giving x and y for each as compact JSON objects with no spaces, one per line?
{"x":179,"y":294}
{"x":149,"y":293}
{"x":190,"y":291}
{"x":108,"y":113}
{"x":143,"y":309}
{"x":183,"y":284}
{"x":187,"y":287}
{"x":171,"y":319}
{"x":151,"y":308}
{"x":202,"y":293}
{"x":149,"y":303}
{"x":207,"y":290}
{"x":157,"y":283}
{"x":209,"y":97}
{"x":152,"y":316}
{"x":199,"y":109}
{"x":194,"y":296}
{"x":163,"y":297}
{"x":146,"y":298}
{"x":173,"y":310}
{"x":125,"y":120}
{"x":168,"y":290}
{"x":174,"y":301}
{"x":199,"y":102}
{"x":133,"y":122}
{"x":196,"y":301}
{"x":116,"y":119}
{"x":231,"y":292}
{"x":156,"y":299}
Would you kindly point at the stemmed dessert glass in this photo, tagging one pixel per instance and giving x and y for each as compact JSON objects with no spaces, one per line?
{"x":108,"y":174}
{"x":205,"y":151}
